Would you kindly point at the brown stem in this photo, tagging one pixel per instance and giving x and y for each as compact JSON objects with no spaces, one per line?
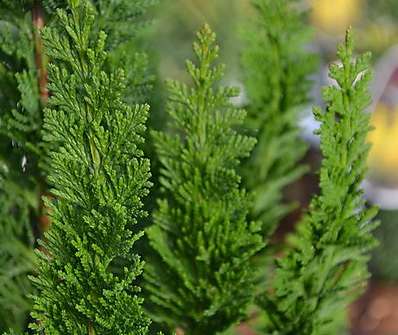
{"x":44,"y":217}
{"x":38,"y":23}
{"x":40,"y":58}
{"x":91,"y":330}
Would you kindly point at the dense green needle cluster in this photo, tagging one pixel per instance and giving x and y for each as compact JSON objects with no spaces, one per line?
{"x":88,"y":266}
{"x":202,"y":278}
{"x":122,"y":20}
{"x":277,"y":66}
{"x":326,"y":269}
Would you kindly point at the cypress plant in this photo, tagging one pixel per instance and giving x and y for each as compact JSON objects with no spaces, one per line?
{"x":277,"y":67}
{"x":326,"y":268}
{"x":23,"y":155}
{"x":99,"y":176}
{"x":202,"y":278}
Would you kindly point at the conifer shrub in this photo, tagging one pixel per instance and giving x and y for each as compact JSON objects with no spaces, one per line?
{"x":277,"y":65}
{"x":99,"y":176}
{"x":202,"y":278}
{"x":24,"y":160}
{"x":327,"y":267}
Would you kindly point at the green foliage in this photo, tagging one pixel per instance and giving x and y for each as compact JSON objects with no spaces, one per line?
{"x":99,"y":177}
{"x":20,"y":124}
{"x":23,"y":155}
{"x":21,"y":116}
{"x":202,"y":278}
{"x":326,"y":269}
{"x":123,"y":20}
{"x":384,"y":264}
{"x":16,"y":258}
{"x":277,"y":68}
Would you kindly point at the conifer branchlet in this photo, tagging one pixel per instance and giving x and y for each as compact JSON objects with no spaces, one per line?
{"x":202,"y":279}
{"x":326,"y":269}
{"x":99,"y":177}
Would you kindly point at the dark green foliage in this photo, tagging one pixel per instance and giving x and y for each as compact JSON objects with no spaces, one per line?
{"x":384,"y":263}
{"x":326,"y":268}
{"x":16,"y":257}
{"x":99,"y":176}
{"x":21,"y":113}
{"x":276,"y":67}
{"x":20,"y":179}
{"x":202,"y":279}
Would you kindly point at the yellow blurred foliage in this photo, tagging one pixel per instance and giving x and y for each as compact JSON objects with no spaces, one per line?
{"x":334,"y":16}
{"x":383,"y":158}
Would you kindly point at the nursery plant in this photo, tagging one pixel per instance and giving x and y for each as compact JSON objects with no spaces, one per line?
{"x":73,"y":155}
{"x":98,"y":176}
{"x":202,"y":278}
{"x":277,"y":67}
{"x":24,"y":156}
{"x":326,"y":268}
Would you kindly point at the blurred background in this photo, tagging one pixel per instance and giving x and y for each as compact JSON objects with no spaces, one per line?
{"x":375,"y":24}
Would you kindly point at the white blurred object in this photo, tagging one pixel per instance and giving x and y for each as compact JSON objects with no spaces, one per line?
{"x":386,"y":198}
